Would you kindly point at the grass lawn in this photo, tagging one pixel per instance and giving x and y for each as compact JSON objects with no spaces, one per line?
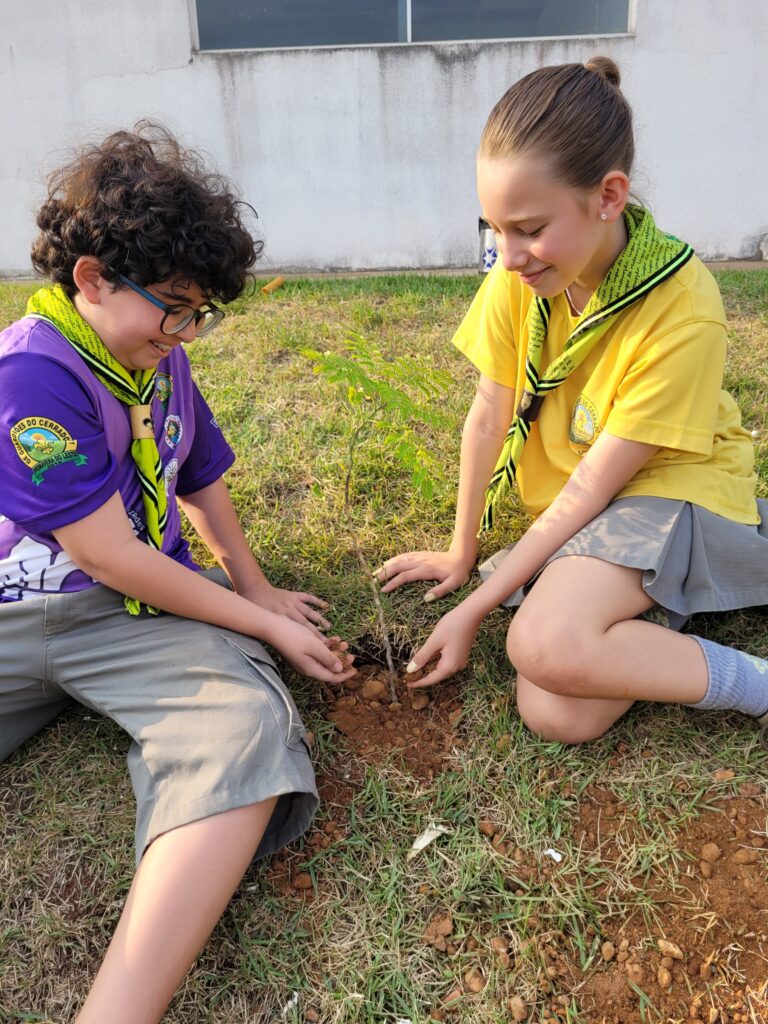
{"x":482,"y":925}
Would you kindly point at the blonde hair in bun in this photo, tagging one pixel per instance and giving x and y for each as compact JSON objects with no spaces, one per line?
{"x":573,"y":115}
{"x":607,"y":68}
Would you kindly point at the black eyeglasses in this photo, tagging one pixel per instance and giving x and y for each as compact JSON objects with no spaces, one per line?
{"x":176,"y":318}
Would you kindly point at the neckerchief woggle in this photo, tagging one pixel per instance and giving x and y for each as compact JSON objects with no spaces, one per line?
{"x":134,"y":390}
{"x":649,"y":258}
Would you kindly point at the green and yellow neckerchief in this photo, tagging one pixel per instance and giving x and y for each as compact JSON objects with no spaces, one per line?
{"x":134,"y":390}
{"x":649,"y":258}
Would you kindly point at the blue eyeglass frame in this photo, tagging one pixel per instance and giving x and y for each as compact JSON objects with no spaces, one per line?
{"x":195,"y":314}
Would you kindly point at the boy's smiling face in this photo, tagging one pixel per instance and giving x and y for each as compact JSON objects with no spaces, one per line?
{"x":128,"y":323}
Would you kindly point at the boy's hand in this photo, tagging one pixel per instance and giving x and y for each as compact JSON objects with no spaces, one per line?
{"x":290,"y":603}
{"x":451,"y":641}
{"x":451,"y":568}
{"x":310,"y":654}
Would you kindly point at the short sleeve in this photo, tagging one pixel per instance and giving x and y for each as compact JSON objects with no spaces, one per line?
{"x":55,"y":465}
{"x":671,"y":392}
{"x":210,"y":456}
{"x":486,"y":336}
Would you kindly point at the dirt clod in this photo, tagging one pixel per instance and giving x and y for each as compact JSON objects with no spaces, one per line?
{"x":664,"y":977}
{"x":474,"y":980}
{"x":302,"y":881}
{"x":343,"y":703}
{"x":453,"y":997}
{"x":608,"y":951}
{"x":711,"y":852}
{"x":437,"y":931}
{"x":635,"y":973}
{"x":373,"y":689}
{"x":745,"y":856}
{"x":670,"y":949}
{"x":518,"y":1009}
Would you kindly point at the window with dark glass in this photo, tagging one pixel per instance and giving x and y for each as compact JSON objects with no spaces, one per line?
{"x":248,"y":24}
{"x":434,"y":20}
{"x":232,"y":24}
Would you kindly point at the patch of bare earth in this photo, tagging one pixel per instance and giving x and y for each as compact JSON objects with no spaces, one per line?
{"x":416,"y":729}
{"x":416,"y":732}
{"x":706,"y":957}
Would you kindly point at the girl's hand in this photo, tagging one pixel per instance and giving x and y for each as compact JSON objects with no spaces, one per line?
{"x":292,"y":604}
{"x":451,"y":568}
{"x":309,"y":653}
{"x":450,"y":641}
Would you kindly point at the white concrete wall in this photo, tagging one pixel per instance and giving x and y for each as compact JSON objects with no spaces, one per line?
{"x":363,"y":157}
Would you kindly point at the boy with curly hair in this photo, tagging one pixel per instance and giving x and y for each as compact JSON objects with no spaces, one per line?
{"x":102,"y":431}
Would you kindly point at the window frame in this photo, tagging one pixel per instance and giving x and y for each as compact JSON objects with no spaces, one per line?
{"x":196,"y":48}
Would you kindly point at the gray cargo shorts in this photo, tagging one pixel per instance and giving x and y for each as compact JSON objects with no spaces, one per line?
{"x":211,"y":723}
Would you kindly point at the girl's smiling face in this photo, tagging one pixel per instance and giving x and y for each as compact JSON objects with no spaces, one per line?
{"x":551,"y":234}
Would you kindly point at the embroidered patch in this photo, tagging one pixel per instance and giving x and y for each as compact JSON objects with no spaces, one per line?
{"x":173,"y":431}
{"x":170,"y":473}
{"x":163,"y":388}
{"x":42,"y":444}
{"x":585,"y":424}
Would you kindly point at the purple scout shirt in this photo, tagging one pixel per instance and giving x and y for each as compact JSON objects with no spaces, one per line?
{"x":65,"y":448}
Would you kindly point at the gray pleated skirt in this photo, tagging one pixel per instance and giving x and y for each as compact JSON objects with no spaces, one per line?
{"x":692,"y":560}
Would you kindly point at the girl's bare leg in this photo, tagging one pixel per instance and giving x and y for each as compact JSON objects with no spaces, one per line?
{"x":583,"y":658}
{"x":181,"y":888}
{"x":566,"y":719}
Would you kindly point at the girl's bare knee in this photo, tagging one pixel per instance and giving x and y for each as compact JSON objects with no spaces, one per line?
{"x":557,"y":724}
{"x":550,"y":654}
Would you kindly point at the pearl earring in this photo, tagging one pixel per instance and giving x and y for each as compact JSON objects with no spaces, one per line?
{"x":603,"y":216}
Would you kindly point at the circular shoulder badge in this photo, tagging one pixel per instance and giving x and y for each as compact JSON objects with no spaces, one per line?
{"x":585,"y":423}
{"x":172,"y":430}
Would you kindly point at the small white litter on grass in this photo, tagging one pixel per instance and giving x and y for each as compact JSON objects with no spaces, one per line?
{"x":429,"y":835}
{"x":290,"y":1005}
{"x":556,"y":857}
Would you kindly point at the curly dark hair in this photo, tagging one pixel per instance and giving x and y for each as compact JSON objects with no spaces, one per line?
{"x":146,"y":208}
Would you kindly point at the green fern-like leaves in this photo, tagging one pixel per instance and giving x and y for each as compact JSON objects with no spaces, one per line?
{"x":386,"y":398}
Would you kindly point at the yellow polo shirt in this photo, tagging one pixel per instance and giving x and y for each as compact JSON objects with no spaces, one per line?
{"x":655,"y":376}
